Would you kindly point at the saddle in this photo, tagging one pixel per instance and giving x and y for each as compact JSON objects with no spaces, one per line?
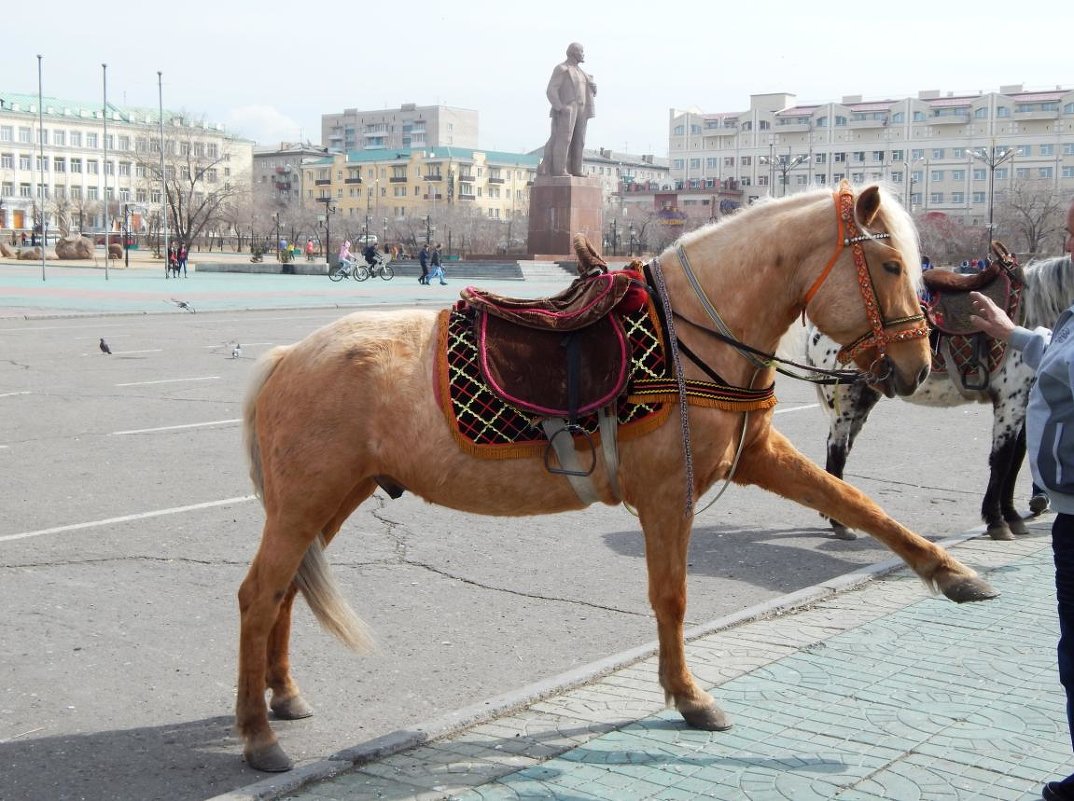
{"x":955,"y":342}
{"x":561,"y":356}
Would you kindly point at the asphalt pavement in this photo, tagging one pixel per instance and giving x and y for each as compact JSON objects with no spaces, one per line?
{"x":128,"y":525}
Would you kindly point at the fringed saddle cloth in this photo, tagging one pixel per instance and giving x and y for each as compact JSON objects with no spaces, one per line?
{"x":486,"y":424}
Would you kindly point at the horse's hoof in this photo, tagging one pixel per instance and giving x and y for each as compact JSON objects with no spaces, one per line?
{"x":293,"y":708}
{"x":1000,"y":531}
{"x":709,"y":719}
{"x":968,"y":588}
{"x":841,"y":532}
{"x":1039,"y":504}
{"x":1017,"y":527}
{"x":271,"y":759}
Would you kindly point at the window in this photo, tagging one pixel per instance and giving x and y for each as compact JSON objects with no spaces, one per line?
{"x":746,"y":161}
{"x":109,"y":168}
{"x":91,"y":166}
{"x":124,"y":194}
{"x":7,"y":188}
{"x":762,"y":180}
{"x":1001,"y":173}
{"x":210,"y":175}
{"x":110,"y":142}
{"x":711,"y":163}
{"x":42,"y":136}
{"x":24,"y":190}
{"x":958,"y":175}
{"x":91,"y":141}
{"x":695,"y":164}
{"x":859,"y":156}
{"x":936,"y":175}
{"x":76,"y":165}
{"x":840,"y":120}
{"x":917,"y":153}
{"x":125,"y":168}
{"x":981,"y":113}
{"x":24,"y":161}
{"x":679,"y":164}
{"x":1045,"y":172}
{"x":958,"y":197}
{"x":1068,"y":172}
{"x":916,"y":176}
{"x":680,"y":130}
{"x":915,"y":199}
{"x":1021,"y":172}
{"x":896,"y":176}
{"x":897,"y":155}
{"x":695,"y":129}
{"x":936,"y":197}
{"x":140,"y":196}
{"x":763,"y":125}
{"x":822,"y":122}
{"x":857,"y":177}
{"x":979,"y":174}
{"x":76,"y":139}
{"x":837,"y":177}
{"x":937,"y":152}
{"x":878,"y":155}
{"x":24,"y":135}
{"x":140,"y":171}
{"x":919,"y":116}
{"x":839,"y":157}
{"x":978,"y":198}
{"x":124,"y":143}
{"x":729,"y":161}
{"x":59,"y":164}
{"x":76,"y":193}
{"x":7,"y":133}
{"x":1047,"y":150}
{"x":898,"y":116}
{"x":1068,"y":108}
{"x":958,"y":153}
{"x":819,"y":178}
{"x":1024,"y":150}
{"x":7,"y":162}
{"x":1003,"y":111}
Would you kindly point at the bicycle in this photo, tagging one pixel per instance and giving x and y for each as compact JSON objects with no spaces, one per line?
{"x":345,"y":269}
{"x":380,"y":265}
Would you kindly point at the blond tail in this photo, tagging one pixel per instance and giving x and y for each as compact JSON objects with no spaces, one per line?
{"x":321,"y":592}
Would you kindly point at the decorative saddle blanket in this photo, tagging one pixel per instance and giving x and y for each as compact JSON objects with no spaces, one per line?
{"x":486,"y":426}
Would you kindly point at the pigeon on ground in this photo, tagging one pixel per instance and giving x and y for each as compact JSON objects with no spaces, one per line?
{"x":182,"y":304}
{"x":236,"y":352}
{"x":105,"y":348}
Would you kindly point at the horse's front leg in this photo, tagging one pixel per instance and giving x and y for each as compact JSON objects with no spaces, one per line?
{"x":774,"y":464}
{"x":667,"y":538}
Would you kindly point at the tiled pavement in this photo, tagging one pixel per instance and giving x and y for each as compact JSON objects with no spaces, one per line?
{"x":878,"y":693}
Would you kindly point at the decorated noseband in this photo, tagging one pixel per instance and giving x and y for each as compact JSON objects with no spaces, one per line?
{"x":878,"y":336}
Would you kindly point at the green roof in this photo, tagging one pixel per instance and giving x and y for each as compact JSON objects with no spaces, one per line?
{"x":440,"y":153}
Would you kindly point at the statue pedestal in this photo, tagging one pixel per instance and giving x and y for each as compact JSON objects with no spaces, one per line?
{"x":560,"y":207}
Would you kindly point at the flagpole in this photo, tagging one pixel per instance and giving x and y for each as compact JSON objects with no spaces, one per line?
{"x":41,"y":164}
{"x":104,"y":170}
{"x":163,"y":179}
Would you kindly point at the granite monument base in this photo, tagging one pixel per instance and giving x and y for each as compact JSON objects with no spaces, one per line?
{"x":560,"y":207}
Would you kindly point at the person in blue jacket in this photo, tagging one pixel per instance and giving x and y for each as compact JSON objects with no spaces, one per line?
{"x":1050,"y":444}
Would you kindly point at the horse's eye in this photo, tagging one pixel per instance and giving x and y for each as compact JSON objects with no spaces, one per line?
{"x":893,"y":267}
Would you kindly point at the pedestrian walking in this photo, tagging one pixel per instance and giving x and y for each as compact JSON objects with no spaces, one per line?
{"x":423,"y":260}
{"x":181,"y":257}
{"x":438,"y":267}
{"x":309,"y":249}
{"x":1050,"y":444}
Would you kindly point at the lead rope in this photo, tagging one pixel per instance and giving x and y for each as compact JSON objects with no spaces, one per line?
{"x":680,"y":380}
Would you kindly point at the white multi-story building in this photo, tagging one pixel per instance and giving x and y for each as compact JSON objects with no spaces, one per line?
{"x":66,"y":157}
{"x":950,"y":153}
{"x":409,"y":126}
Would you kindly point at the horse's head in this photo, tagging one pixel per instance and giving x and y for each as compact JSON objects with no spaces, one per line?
{"x":865,"y":296}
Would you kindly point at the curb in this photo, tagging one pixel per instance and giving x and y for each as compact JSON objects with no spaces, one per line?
{"x":483,"y":711}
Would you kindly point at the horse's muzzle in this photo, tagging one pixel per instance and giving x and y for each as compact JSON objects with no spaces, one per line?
{"x":888,"y":380}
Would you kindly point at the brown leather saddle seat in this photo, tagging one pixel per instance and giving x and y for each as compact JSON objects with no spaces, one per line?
{"x":951,"y":307}
{"x":560,"y":356}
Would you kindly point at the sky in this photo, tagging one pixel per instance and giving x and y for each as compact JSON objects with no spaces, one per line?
{"x":269,"y":77}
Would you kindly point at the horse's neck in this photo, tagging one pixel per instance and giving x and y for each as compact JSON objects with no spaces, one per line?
{"x":751,"y":297}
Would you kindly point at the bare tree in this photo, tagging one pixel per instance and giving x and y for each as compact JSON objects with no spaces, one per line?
{"x":1031,"y":212}
{"x":196,"y":182}
{"x":946,"y":241}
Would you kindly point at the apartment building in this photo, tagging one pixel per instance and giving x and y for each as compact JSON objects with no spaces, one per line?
{"x":620,"y":172}
{"x":277,"y":171}
{"x":409,"y":126}
{"x":68,"y":156}
{"x":394,"y":184}
{"x":945,"y":152}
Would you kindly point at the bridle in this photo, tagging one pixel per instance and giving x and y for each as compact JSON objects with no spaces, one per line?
{"x":878,"y":336}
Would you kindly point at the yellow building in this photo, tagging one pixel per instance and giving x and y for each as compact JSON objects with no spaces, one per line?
{"x":411,"y":183}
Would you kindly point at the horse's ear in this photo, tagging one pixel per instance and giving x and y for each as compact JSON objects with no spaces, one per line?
{"x":868,"y":205}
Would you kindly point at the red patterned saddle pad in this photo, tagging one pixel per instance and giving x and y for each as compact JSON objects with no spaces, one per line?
{"x":487,"y":427}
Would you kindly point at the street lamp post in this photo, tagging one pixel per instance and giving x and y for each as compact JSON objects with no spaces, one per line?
{"x":615,"y":237}
{"x":992,"y":158}
{"x":428,"y":230}
{"x":329,"y":210}
{"x":276,"y":219}
{"x":126,"y":234}
{"x":632,"y":240}
{"x":784,"y":164}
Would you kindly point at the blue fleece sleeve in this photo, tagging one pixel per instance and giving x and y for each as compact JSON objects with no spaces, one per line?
{"x":1031,"y":344}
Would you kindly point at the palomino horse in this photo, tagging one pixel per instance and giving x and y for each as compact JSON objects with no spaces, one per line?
{"x":1049,"y":290}
{"x":848,"y":259}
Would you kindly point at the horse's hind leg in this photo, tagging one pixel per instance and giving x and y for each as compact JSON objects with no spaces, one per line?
{"x":775,"y":465}
{"x":287,"y":702}
{"x":261,"y":596}
{"x":667,"y":538}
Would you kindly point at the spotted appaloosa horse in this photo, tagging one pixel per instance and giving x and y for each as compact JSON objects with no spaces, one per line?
{"x":1049,"y":289}
{"x":848,"y":258}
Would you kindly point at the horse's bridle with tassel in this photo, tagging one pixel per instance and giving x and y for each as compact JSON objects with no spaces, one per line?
{"x":879,"y":337}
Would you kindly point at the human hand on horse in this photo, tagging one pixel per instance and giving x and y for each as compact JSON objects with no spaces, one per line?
{"x":990,"y":318}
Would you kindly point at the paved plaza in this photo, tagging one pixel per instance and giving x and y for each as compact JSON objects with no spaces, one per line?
{"x":869,"y":691}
